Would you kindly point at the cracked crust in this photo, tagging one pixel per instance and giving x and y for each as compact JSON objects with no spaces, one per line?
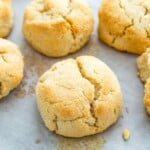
{"x":6,"y":17}
{"x":55,"y":27}
{"x":125,"y":24}
{"x":143,"y":64}
{"x":147,"y":96}
{"x":11,"y":67}
{"x":79,"y":97}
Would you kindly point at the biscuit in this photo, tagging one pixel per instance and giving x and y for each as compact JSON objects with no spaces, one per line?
{"x":147,"y":95}
{"x":143,"y":63}
{"x":6,"y":17}
{"x":11,"y":67}
{"x":125,"y":24}
{"x":79,"y":97}
{"x":56,"y":28}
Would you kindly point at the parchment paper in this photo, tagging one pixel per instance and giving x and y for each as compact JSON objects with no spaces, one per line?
{"x":21,"y":127}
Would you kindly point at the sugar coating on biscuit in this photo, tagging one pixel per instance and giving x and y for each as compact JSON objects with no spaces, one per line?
{"x":143,"y":64}
{"x":55,"y":27}
{"x":11,"y":67}
{"x":147,"y":95}
{"x":79,"y":97}
{"x":6,"y":17}
{"x":124,"y":24}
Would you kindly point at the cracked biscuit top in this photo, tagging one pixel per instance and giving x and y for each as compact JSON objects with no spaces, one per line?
{"x":79,"y":97}
{"x":6,"y":17}
{"x":11,"y":67}
{"x":55,"y":27}
{"x":125,"y":24}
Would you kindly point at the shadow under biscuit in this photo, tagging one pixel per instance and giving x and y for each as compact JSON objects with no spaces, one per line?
{"x":85,"y":143}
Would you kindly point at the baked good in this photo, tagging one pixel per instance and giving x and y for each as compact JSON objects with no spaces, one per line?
{"x":11,"y":67}
{"x":56,"y":28}
{"x":79,"y":97}
{"x":147,"y":95}
{"x":6,"y":17}
{"x":125,"y":24}
{"x":143,"y":63}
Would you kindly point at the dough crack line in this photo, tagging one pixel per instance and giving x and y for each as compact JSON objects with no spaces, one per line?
{"x":133,"y":21}
{"x":95,"y":96}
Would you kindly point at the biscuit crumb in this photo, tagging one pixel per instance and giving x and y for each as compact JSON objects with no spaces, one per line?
{"x":127,"y":110}
{"x":38,"y":141}
{"x":126,"y":134}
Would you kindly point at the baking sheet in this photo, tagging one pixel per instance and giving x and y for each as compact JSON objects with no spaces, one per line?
{"x":21,"y":126}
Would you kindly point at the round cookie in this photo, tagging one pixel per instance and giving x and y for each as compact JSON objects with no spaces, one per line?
{"x":11,"y":67}
{"x":143,"y":64}
{"x":6,"y":17}
{"x":147,"y":96}
{"x":125,"y":24}
{"x":79,"y":97}
{"x":56,"y":28}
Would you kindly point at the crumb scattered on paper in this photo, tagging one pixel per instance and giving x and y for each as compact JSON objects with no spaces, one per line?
{"x":126,"y":134}
{"x":25,"y":88}
{"x":20,"y":92}
{"x":35,"y":66}
{"x":127,"y":110}
{"x":38,"y":141}
{"x":122,"y":116}
{"x":35,"y":63}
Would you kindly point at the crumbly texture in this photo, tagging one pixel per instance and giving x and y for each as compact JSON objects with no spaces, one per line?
{"x":147,"y":95}
{"x":125,"y":24}
{"x":11,"y":67}
{"x":55,"y":27}
{"x":79,"y":97}
{"x":143,"y":64}
{"x":126,"y":134}
{"x":6,"y":17}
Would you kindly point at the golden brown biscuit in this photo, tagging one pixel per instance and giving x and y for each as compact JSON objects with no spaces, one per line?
{"x":143,"y":63}
{"x":147,"y":96}
{"x":79,"y":97}
{"x":56,"y":28}
{"x":11,"y":67}
{"x":125,"y":24}
{"x":6,"y":17}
